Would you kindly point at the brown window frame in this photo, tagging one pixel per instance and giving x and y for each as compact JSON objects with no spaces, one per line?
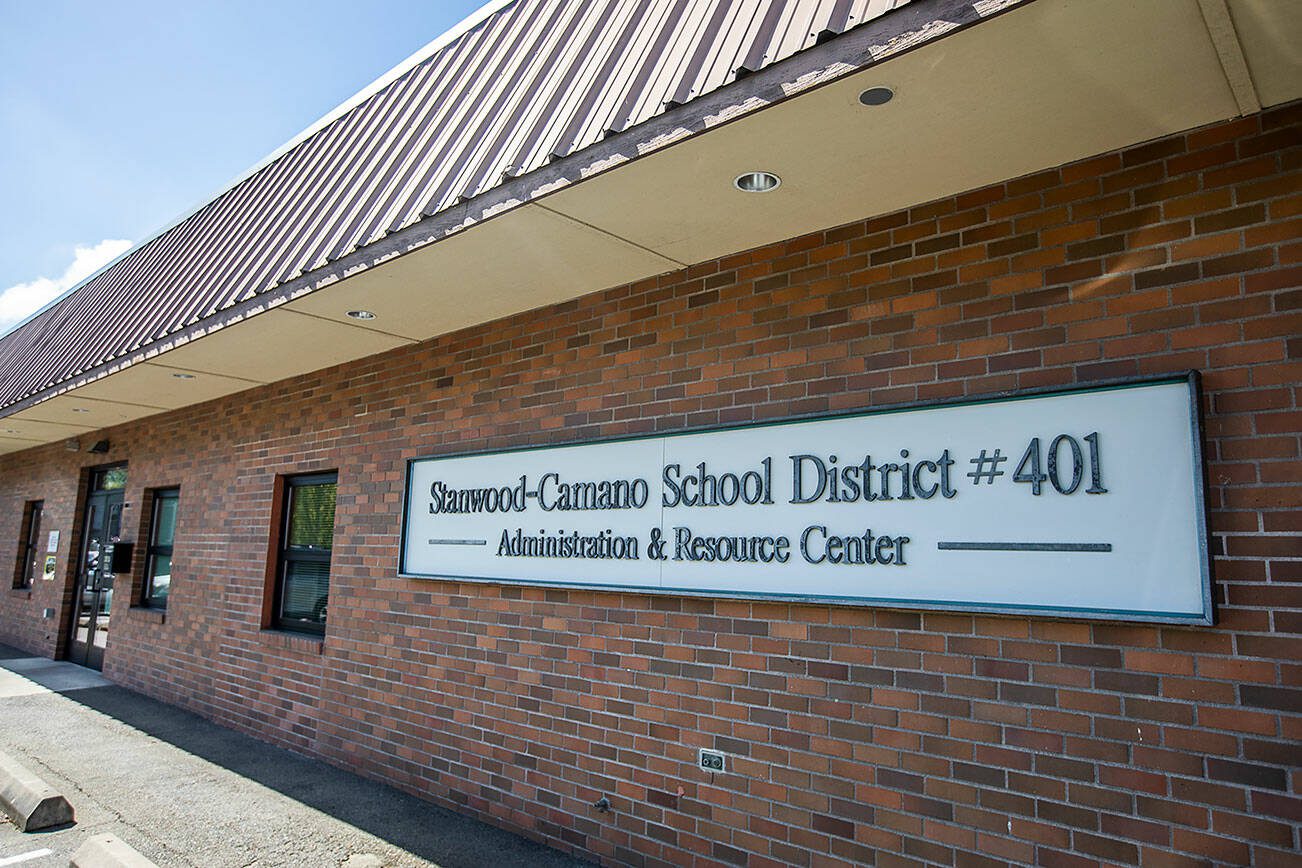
{"x":287,"y":555}
{"x":29,"y":545}
{"x":153,"y":550}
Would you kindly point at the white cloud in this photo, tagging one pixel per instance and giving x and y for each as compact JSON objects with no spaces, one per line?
{"x":23,"y":299}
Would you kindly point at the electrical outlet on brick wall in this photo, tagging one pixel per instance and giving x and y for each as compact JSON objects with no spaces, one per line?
{"x":711,"y":760}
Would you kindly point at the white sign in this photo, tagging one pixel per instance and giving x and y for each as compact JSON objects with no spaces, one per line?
{"x":1085,"y":503}
{"x":52,"y":544}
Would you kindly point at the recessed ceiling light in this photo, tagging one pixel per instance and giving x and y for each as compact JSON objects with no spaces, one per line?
{"x":876,"y":96}
{"x":361,"y":314}
{"x":80,"y":410}
{"x":180,"y":376}
{"x":11,"y":430}
{"x":757,"y":182}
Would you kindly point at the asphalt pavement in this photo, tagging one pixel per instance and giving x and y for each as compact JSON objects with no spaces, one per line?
{"x":186,"y":792}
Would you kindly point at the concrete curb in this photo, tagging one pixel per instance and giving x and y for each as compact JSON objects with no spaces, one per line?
{"x":108,"y":851}
{"x":29,"y":801}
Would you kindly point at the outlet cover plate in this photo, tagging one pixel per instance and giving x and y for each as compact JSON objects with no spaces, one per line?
{"x":711,"y":760}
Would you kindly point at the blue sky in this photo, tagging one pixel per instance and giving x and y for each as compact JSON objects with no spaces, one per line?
{"x":115,"y":118}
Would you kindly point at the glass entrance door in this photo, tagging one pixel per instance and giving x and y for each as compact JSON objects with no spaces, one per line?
{"x":94,"y":594}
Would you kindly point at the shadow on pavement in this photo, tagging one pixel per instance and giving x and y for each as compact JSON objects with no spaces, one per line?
{"x":423,"y":829}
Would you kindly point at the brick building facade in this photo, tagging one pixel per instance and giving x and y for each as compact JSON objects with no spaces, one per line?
{"x":857,"y":735}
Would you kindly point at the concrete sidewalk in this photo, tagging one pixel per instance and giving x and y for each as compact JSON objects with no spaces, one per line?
{"x":186,"y":792}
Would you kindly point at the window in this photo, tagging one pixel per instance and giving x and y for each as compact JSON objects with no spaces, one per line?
{"x":303,"y":577}
{"x":29,"y":546}
{"x":109,"y":479}
{"x":158,"y":563}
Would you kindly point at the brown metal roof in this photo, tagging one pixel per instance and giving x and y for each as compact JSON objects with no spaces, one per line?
{"x":533,"y":82}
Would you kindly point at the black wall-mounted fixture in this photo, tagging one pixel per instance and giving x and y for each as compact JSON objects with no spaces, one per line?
{"x":120,"y":559}
{"x":100,"y":447}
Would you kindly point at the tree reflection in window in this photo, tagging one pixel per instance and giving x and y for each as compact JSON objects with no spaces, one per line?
{"x":304,"y":575}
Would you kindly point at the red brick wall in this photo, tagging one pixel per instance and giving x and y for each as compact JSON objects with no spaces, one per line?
{"x":53,"y":476}
{"x":857,"y":735}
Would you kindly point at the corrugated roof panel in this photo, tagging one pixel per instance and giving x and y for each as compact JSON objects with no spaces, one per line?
{"x":346,"y":177}
{"x":493,"y":70}
{"x":343,"y":158}
{"x":646,"y":63}
{"x":474,"y":112}
{"x":216,"y":233}
{"x":531,"y":82}
{"x":401,"y":151}
{"x":597,"y":51}
{"x":549,"y":78}
{"x":434,"y":138}
{"x":615,"y":67}
{"x":217,"y":275}
{"x":329,"y":245}
{"x":438,"y":97}
{"x":553,"y":67}
{"x":753,"y":36}
{"x":800,"y":25}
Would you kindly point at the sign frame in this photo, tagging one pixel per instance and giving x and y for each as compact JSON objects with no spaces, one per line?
{"x":1190,"y":379}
